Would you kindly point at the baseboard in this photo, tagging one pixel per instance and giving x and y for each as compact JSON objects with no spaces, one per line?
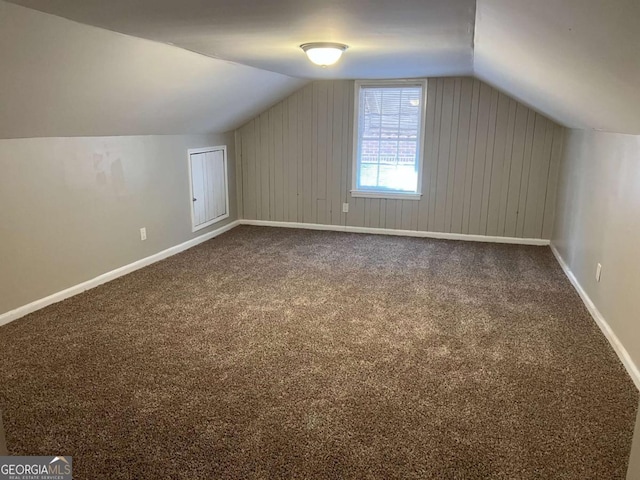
{"x":113,"y":274}
{"x":604,"y":326}
{"x":622,"y":353}
{"x":402,"y":233}
{"x":106,"y":277}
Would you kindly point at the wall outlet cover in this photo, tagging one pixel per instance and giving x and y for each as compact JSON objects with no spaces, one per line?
{"x":143,"y":234}
{"x":345,"y":208}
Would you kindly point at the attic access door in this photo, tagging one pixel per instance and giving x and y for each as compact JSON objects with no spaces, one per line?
{"x":209,"y":186}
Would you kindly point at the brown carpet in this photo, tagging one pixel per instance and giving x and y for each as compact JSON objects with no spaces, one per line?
{"x":275,"y":353}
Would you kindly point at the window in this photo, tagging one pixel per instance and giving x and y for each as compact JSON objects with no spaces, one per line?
{"x":388,"y":138}
{"x":209,"y":189}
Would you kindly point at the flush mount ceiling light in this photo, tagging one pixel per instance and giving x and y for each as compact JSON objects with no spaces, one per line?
{"x":323,"y":53}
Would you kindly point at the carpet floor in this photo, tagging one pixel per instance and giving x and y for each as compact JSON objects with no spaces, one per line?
{"x":275,"y":353}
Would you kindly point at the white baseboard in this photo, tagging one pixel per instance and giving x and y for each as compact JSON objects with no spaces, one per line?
{"x":402,"y":233}
{"x":113,"y":274}
{"x":622,"y":353}
{"x":106,"y":277}
{"x":606,"y":329}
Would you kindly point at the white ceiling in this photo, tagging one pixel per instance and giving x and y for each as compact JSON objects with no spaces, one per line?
{"x":387,"y":38}
{"x":61,"y":78}
{"x":576,"y":61}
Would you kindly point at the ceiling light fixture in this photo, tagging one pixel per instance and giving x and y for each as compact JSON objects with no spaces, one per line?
{"x":323,"y":53}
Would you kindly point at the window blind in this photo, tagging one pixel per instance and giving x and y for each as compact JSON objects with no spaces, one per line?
{"x":389,"y":137}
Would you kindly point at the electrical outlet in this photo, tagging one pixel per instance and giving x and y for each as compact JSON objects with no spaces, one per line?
{"x":143,"y":234}
{"x":345,"y":208}
{"x":598,"y":272}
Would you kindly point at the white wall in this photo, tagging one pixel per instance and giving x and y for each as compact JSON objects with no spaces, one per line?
{"x":598,"y":220}
{"x":71,"y":208}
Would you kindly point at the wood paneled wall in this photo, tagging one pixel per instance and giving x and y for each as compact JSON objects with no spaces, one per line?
{"x":491,"y":164}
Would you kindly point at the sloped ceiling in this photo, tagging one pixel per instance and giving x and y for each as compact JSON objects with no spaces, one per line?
{"x":576,"y":61}
{"x":386,"y":38}
{"x":61,"y":78}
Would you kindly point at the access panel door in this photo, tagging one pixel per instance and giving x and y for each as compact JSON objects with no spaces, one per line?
{"x":209,"y":186}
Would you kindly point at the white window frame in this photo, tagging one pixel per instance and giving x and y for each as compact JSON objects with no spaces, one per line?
{"x":421,"y":147}
{"x":192,"y":151}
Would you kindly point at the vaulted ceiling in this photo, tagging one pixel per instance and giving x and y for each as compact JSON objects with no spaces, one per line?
{"x":387,"y":38}
{"x":60,"y":78}
{"x":575,"y":61}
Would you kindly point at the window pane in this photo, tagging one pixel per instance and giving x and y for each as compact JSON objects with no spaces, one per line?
{"x":388,"y":137}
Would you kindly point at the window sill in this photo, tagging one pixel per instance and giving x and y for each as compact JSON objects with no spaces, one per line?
{"x":385,"y":195}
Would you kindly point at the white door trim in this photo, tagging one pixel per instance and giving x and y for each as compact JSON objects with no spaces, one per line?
{"x":194,"y":151}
